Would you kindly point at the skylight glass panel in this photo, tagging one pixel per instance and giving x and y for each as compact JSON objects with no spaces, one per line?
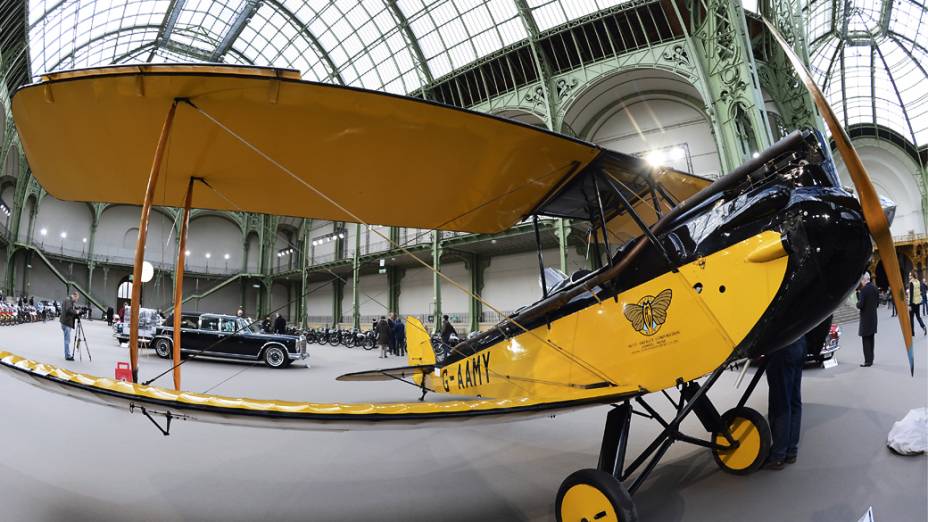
{"x":69,"y":34}
{"x":885,"y":87}
{"x":819,"y":22}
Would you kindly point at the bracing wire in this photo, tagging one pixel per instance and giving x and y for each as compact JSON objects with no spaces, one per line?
{"x":570,"y":356}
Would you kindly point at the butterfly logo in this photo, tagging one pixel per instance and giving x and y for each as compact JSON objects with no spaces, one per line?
{"x":650,"y":313}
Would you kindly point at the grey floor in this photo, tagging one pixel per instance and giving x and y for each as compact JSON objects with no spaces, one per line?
{"x":65,"y":459}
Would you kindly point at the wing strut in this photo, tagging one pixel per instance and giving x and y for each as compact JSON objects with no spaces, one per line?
{"x":179,"y":283}
{"x":140,"y":244}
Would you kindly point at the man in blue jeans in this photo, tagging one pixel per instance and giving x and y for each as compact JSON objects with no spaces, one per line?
{"x":68,"y":315}
{"x":784,"y":376}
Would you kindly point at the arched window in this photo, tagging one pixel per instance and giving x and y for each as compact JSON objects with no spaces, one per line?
{"x":125,"y":290}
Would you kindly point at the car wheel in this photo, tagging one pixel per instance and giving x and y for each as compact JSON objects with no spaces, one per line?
{"x":163,"y":349}
{"x":275,"y":357}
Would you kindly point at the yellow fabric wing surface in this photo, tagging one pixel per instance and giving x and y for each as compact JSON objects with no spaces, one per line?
{"x":91,"y":135}
{"x":246,"y":411}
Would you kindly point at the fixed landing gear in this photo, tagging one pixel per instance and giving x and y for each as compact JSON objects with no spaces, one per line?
{"x":740,"y":443}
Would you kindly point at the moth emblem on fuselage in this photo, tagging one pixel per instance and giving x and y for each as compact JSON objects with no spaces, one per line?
{"x":650,"y":313}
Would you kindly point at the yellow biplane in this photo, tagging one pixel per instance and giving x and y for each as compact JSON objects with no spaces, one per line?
{"x":695,"y":275}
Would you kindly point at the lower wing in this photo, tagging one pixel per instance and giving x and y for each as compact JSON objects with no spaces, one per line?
{"x":281,"y":414}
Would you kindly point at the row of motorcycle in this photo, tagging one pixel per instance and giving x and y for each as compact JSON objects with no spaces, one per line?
{"x":342,"y":337}
{"x":11,"y":314}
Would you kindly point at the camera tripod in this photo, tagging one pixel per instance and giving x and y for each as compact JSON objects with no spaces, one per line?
{"x":80,"y":337}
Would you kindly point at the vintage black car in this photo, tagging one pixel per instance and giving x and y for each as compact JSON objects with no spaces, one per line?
{"x":228,"y":337}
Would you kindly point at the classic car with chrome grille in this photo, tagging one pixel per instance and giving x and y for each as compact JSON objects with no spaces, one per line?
{"x":228,"y":337}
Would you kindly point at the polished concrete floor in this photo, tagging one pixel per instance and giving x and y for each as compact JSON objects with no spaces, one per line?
{"x":66,"y":459}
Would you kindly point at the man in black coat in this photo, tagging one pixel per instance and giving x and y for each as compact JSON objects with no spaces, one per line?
{"x":384,"y":336}
{"x":68,"y":315}
{"x":280,"y":324}
{"x":867,"y":301}
{"x":447,"y":330}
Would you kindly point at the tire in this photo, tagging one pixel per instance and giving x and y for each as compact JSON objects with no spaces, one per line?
{"x":750,"y":429}
{"x":349,"y":341}
{"x":275,"y":356}
{"x":334,"y":339}
{"x":368,"y":343}
{"x":591,"y":494}
{"x":163,"y":349}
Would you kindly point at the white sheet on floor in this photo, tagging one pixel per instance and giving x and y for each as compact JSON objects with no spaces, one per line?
{"x":910,"y":435}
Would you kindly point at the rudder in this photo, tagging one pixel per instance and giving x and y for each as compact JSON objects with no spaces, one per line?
{"x":418,"y":343}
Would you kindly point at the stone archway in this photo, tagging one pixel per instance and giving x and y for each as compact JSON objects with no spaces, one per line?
{"x":648,"y":112}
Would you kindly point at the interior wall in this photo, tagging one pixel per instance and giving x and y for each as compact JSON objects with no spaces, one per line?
{"x":325,"y":251}
{"x":894,"y":176}
{"x":512,"y":281}
{"x":374,"y":297}
{"x":643,"y":110}
{"x":226,"y":300}
{"x":280,"y":301}
{"x":217,"y":237}
{"x":118,"y":230}
{"x":455,"y":302}
{"x":319,"y":302}
{"x":8,"y":195}
{"x":63,"y":217}
{"x":416,"y":292}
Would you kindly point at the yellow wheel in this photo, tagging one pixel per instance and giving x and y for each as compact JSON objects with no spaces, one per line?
{"x":752,"y":433}
{"x":591,"y":495}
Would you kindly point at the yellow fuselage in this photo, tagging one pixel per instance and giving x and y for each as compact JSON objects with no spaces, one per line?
{"x":596,"y":351}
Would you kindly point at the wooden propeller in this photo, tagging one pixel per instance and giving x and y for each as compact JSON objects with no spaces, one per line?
{"x":869,"y":200}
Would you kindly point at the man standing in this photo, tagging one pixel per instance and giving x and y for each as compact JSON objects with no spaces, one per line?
{"x":399,"y":335}
{"x":384,"y":334}
{"x":784,"y":376}
{"x":68,"y":315}
{"x":447,"y":330}
{"x":867,"y":301}
{"x":280,"y":324}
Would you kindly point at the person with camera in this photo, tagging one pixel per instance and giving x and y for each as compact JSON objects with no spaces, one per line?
{"x":68,"y":315}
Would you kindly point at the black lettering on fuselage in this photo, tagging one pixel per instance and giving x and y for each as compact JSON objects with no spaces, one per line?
{"x":486,"y":364}
{"x":471,"y":372}
{"x":444,"y":379}
{"x":478,"y":377}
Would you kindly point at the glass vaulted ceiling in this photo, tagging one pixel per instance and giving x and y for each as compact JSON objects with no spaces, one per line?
{"x":871,"y":57}
{"x":392,"y":45}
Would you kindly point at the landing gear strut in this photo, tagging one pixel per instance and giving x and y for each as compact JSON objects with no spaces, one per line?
{"x":740,"y":443}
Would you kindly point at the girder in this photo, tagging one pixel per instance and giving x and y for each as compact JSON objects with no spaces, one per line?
{"x":167,"y":25}
{"x":541,"y":61}
{"x":304,"y":29}
{"x":412,"y":42}
{"x":235,"y":29}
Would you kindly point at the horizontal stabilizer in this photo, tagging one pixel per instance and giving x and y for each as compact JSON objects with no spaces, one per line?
{"x":387,"y":374}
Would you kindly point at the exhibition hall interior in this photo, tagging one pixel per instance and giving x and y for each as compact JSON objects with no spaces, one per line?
{"x":572,"y":260}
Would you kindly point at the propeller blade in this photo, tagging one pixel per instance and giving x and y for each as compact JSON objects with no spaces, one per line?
{"x":869,"y":200}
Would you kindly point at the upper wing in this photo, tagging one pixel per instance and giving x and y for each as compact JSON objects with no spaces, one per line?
{"x":280,"y":414}
{"x":370,"y":153}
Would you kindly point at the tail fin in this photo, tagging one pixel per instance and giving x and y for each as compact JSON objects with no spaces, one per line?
{"x":418,"y":343}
